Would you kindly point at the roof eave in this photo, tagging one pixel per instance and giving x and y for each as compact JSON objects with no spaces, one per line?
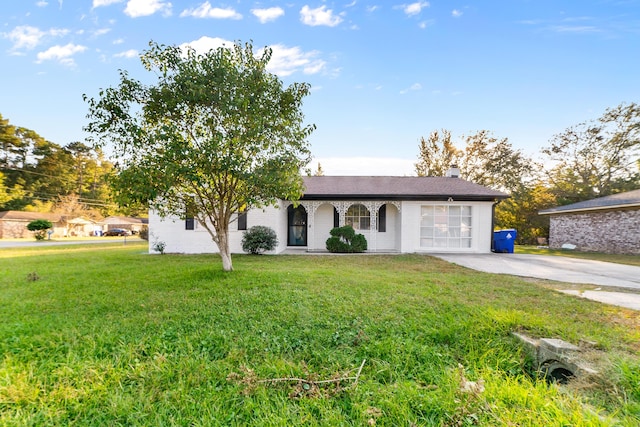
{"x":589,"y":209}
{"x":410,"y":197}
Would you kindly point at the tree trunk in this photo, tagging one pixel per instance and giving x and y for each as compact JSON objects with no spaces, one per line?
{"x":225,"y":253}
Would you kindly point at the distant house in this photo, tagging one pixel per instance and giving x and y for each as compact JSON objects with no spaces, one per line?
{"x":128,"y":223}
{"x":13,"y":224}
{"x":395,"y":214}
{"x":608,"y":224}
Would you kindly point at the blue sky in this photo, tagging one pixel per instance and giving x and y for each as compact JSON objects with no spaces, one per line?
{"x":383,"y":72}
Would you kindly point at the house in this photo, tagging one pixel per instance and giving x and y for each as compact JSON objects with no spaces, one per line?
{"x":395,"y":214}
{"x":608,"y":224}
{"x":135,"y":225}
{"x":13,"y":224}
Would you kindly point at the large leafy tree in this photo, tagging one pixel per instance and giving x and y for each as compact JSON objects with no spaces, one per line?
{"x":216,"y":132}
{"x":596,"y":158}
{"x":484,"y":159}
{"x":436,"y":154}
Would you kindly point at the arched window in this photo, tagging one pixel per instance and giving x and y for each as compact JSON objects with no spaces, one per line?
{"x":358,"y":217}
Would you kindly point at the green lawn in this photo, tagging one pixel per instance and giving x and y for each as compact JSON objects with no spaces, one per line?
{"x":109,"y":335}
{"x":597,"y":256}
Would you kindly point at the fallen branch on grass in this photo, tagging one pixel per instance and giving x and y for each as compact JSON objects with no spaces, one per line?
{"x":318,"y":382}
{"x":303,"y":386}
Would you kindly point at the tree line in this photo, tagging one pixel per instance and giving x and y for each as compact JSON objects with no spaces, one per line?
{"x":42,"y":176}
{"x":592,"y":159}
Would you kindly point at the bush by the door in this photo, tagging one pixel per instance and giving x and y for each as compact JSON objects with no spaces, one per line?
{"x":345,"y":240}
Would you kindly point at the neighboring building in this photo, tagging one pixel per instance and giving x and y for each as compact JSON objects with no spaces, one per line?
{"x":135,"y":225}
{"x":608,"y":224}
{"x":395,"y":214}
{"x":13,"y":224}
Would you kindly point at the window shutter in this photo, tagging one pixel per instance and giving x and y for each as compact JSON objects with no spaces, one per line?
{"x":242,"y":220}
{"x":189,"y":221}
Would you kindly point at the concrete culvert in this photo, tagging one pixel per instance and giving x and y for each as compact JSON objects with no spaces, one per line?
{"x":557,"y":372}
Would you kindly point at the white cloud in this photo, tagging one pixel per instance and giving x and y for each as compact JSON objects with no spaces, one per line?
{"x":319,"y":16}
{"x":284,"y":60}
{"x":267,"y":15}
{"x":287,"y":60}
{"x":118,"y":41}
{"x":204,"y":44}
{"x":27,"y":37}
{"x":101,"y":32}
{"x":364,"y":166}
{"x":62,"y":54}
{"x":131,"y":53}
{"x":42,"y":3}
{"x":414,"y":8}
{"x":137,"y":8}
{"x":427,"y":23}
{"x":456,"y":13}
{"x":99,"y":3}
{"x":206,"y":11}
{"x":413,"y":87}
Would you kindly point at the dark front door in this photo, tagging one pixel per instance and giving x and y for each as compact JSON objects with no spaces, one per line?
{"x":297,"y":226}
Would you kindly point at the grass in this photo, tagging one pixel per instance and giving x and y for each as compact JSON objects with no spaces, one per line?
{"x":109,"y":335}
{"x":596,"y":256}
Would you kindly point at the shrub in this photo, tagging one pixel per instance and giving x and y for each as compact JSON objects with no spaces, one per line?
{"x":259,"y":239}
{"x":39,"y":227}
{"x":345,"y":240}
{"x":144,"y":233}
{"x":159,"y":246}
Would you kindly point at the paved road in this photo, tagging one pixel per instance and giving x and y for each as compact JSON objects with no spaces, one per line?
{"x":29,"y":242}
{"x":562,"y":269}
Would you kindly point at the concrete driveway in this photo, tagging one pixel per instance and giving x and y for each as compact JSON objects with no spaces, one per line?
{"x":562,"y":269}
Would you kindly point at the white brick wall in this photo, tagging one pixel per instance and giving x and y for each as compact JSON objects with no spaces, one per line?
{"x":402,"y":231}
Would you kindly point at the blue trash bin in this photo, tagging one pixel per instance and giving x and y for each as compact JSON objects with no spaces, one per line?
{"x":504,"y":240}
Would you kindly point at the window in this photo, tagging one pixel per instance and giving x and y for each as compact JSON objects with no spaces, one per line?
{"x":242,"y":220}
{"x":358,"y":217}
{"x":443,"y":226}
{"x":382,"y":219}
{"x":190,"y":213}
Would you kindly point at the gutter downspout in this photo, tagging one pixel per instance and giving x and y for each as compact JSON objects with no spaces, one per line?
{"x":493,"y":221}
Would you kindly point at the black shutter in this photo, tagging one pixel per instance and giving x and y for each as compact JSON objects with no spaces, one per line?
{"x":336,"y":218}
{"x":242,"y":220}
{"x":189,"y":221}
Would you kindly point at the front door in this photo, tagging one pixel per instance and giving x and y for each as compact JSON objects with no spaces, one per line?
{"x":297,"y":226}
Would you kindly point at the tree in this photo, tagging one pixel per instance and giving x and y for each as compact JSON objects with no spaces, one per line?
{"x":4,"y":191}
{"x":485,"y":159}
{"x":8,"y":141}
{"x":493,"y":162}
{"x":216,"y":130}
{"x":437,"y":154}
{"x":39,"y":227}
{"x":520,"y":211}
{"x":596,"y":158}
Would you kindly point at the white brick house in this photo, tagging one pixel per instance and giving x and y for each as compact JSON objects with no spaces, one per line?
{"x":395,"y":214}
{"x":608,"y":224}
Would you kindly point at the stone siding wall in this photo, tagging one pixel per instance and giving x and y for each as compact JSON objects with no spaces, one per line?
{"x":616,"y":232}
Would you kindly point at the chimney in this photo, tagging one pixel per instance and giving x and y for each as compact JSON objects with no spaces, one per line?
{"x":453,"y":172}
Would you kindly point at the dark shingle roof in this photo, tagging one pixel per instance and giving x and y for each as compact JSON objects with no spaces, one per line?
{"x":29,"y":216}
{"x":396,"y":188}
{"x":615,"y":201}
